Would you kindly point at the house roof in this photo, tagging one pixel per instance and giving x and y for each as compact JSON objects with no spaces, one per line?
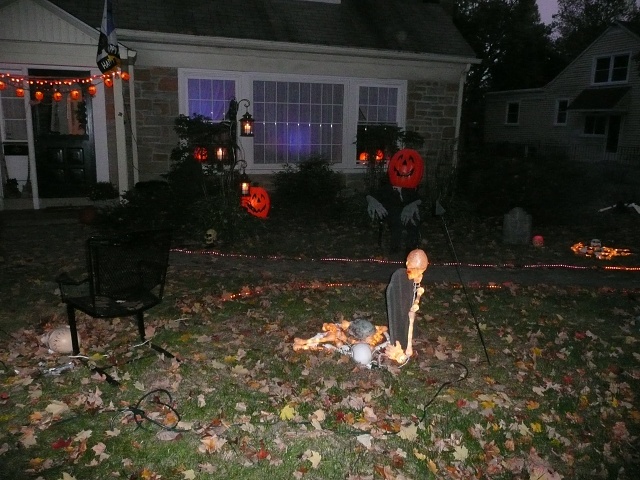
{"x":412,"y":26}
{"x":604,"y":99}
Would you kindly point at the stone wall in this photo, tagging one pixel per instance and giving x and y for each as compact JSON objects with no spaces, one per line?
{"x":431,"y":111}
{"x":156,"y":111}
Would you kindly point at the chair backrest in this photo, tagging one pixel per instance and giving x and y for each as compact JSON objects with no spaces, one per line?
{"x":125,"y":266}
{"x":399,"y":296}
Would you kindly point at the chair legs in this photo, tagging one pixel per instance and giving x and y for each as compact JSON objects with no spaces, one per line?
{"x":140,"y":317}
{"x":71,"y":316}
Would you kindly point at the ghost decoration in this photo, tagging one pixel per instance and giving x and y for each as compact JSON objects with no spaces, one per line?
{"x":58,"y":340}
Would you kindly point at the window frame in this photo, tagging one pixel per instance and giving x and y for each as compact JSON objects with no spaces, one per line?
{"x":560,"y":111}
{"x":351,"y":102}
{"x":611,"y":68}
{"x":508,"y":113}
{"x":594,"y":133}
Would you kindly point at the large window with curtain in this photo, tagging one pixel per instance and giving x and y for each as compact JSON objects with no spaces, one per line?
{"x":296,"y":117}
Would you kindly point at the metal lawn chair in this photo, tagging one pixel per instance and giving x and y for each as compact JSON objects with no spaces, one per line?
{"x":125,"y":277}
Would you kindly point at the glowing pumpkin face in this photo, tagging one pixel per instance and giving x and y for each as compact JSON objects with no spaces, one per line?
{"x":406,"y":168}
{"x":200,"y":154}
{"x":258,"y":202}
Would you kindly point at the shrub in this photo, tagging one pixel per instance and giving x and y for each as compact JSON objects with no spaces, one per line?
{"x":310,"y":185}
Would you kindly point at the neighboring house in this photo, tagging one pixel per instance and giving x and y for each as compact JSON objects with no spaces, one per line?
{"x":311,"y":70}
{"x":589,"y":112}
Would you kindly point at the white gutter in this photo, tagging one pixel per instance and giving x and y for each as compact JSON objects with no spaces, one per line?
{"x":187,"y":42}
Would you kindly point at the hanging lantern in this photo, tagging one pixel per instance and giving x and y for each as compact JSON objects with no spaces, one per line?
{"x":258,"y":202}
{"x":125,"y":76}
{"x":245,"y":185}
{"x":57,"y":96}
{"x":75,"y":95}
{"x":92,"y":90}
{"x":38,"y":95}
{"x":221,"y":153}
{"x":200,"y":154}
{"x":108,"y":82}
{"x":20,"y":92}
{"x":405,"y":169}
{"x":246,"y":125}
{"x":2,"y":85}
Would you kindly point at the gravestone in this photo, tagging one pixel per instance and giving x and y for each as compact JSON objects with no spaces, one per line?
{"x":516,"y":227}
{"x":399,"y":296}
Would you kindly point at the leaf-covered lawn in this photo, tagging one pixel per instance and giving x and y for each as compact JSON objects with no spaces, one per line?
{"x":559,"y":399}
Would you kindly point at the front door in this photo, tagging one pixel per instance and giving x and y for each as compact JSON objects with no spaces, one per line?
{"x":63,"y":134}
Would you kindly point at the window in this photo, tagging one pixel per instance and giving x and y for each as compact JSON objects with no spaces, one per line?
{"x":210,"y":97}
{"x":13,"y":115}
{"x":296,"y":120}
{"x":513,"y":113}
{"x":378,"y":105}
{"x":561,"y":112}
{"x":595,"y":125}
{"x":296,"y":116}
{"x":611,"y":69}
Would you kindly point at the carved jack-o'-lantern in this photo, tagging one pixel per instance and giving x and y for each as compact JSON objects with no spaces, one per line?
{"x":257,"y":202}
{"x":92,"y":89}
{"x":406,"y":168}
{"x":200,"y":154}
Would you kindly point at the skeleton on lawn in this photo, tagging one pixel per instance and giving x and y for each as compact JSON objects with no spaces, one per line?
{"x":361,"y":340}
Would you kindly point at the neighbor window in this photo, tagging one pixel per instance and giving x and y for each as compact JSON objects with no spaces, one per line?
{"x":595,"y":125}
{"x":561,"y":112}
{"x":297,"y":120}
{"x":513,"y":113}
{"x":614,"y":68}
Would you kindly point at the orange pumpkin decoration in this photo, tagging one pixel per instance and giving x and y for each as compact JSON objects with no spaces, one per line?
{"x":75,"y":95}
{"x":20,"y":92}
{"x":38,"y":95}
{"x":363,"y":157}
{"x":379,"y":155}
{"x":406,"y":168}
{"x":92,"y":89}
{"x":201,"y":154}
{"x":124,"y":76}
{"x":108,"y":82}
{"x":2,"y":85}
{"x":57,"y":96}
{"x":258,"y":202}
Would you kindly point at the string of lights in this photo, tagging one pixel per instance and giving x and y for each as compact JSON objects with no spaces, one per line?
{"x":23,"y":83}
{"x":216,"y":253}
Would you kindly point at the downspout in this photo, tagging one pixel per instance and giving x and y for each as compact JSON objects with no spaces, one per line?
{"x":133,"y":128}
{"x":463,"y":79}
{"x":121,"y":138}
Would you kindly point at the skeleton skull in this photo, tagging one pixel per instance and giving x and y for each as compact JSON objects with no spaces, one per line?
{"x":210,"y":236}
{"x":417,"y":263}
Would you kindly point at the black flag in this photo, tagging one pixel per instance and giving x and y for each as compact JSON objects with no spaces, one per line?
{"x":108,"y":57}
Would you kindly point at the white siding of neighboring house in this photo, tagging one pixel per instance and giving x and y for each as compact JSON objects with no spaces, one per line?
{"x":538,"y":107}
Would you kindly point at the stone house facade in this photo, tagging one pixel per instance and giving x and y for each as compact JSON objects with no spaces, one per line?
{"x":311,"y":72}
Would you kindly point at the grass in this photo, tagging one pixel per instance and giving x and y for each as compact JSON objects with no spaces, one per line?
{"x":559,"y":398}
